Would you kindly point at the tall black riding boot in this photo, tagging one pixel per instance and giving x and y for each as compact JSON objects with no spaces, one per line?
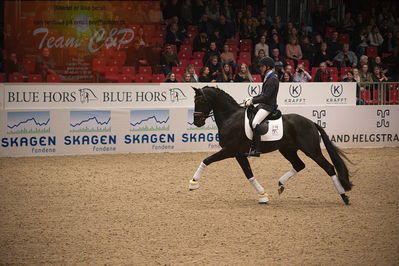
{"x":255,"y":148}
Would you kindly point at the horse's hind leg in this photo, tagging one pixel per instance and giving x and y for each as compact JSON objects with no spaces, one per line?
{"x":220,"y":155}
{"x":246,"y":167}
{"x":297,"y":164}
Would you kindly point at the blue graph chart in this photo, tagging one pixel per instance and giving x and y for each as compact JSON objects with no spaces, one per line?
{"x":149,"y":120}
{"x":28,"y":122}
{"x":90,"y":121}
{"x":210,"y":123}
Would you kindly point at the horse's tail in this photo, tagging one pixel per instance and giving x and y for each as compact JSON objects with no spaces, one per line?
{"x":335,"y":155}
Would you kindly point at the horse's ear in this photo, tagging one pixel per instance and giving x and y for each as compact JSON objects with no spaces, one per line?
{"x":195,"y":89}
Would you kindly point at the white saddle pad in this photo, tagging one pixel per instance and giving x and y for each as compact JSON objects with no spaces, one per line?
{"x":275,"y":131}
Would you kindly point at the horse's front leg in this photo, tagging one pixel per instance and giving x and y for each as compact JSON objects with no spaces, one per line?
{"x":246,"y":167}
{"x":220,"y":155}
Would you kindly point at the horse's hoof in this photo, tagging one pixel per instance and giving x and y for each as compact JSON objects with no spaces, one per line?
{"x":345,"y":198}
{"x":280,"y":189}
{"x":263,"y":199}
{"x":193,"y":185}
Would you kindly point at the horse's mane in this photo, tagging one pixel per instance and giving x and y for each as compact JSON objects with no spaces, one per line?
{"x":222,"y":94}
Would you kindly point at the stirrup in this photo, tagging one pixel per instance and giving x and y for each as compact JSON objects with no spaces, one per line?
{"x":252,"y":152}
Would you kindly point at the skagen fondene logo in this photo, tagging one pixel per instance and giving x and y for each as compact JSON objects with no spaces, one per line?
{"x":254,"y":90}
{"x":336,"y":90}
{"x":383,"y":116}
{"x":295,"y":90}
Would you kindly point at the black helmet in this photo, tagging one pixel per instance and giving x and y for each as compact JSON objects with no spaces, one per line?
{"x":266,"y":61}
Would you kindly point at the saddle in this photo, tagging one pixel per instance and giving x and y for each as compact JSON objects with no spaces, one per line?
{"x":263,"y":127}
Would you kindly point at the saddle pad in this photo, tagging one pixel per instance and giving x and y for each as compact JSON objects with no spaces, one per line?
{"x":275,"y":131}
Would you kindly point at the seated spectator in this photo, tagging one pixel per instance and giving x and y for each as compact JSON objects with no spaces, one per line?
{"x":191,"y":71}
{"x":348,"y":24}
{"x":288,"y":69}
{"x":334,"y":46}
{"x":12,"y":65}
{"x":239,"y":21}
{"x":187,"y":77}
{"x":378,"y":75}
{"x":212,"y":51}
{"x":275,"y":43}
{"x":349,"y":77}
{"x":374,"y":37}
{"x":293,"y":50}
{"x":363,"y":60}
{"x":318,"y":40}
{"x":323,"y":56}
{"x":169,"y":59}
{"x":361,"y":41}
{"x":139,"y":37}
{"x":137,"y":56}
{"x":286,"y":77}
{"x":301,"y":75}
{"x":204,"y":75}
{"x":261,"y":45}
{"x":205,"y":24}
{"x":263,"y":27}
{"x":171,"y":77}
{"x":377,"y":62}
{"x":214,"y":67}
{"x":356,"y":75}
{"x":279,"y":61}
{"x":217,"y":38}
{"x":212,"y":10}
{"x":388,"y":44}
{"x":225,"y":75}
{"x":249,"y":30}
{"x":323,"y":74}
{"x":45,"y":63}
{"x":308,"y":50}
{"x":243,"y":75}
{"x":201,"y":42}
{"x":364,"y":74}
{"x":174,"y":36}
{"x":346,"y":58}
{"x":277,"y":24}
{"x":225,"y":28}
{"x":227,"y":57}
{"x":186,"y":13}
{"x":255,"y":62}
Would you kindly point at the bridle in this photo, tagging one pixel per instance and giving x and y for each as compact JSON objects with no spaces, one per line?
{"x":202,"y":115}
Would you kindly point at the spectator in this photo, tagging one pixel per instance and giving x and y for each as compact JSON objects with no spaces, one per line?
{"x":243,"y":75}
{"x":346,"y":58}
{"x":255,"y":66}
{"x":318,"y":40}
{"x":225,"y":75}
{"x":323,"y":56}
{"x":249,"y":30}
{"x":171,"y":9}
{"x":288,"y":69}
{"x":217,"y":38}
{"x":198,"y":10}
{"x":187,"y":77}
{"x":377,"y":62}
{"x":212,"y":10}
{"x":308,"y":50}
{"x":186,"y":14}
{"x":226,"y":10}
{"x":171,"y":77}
{"x":169,"y":59}
{"x":279,"y":61}
{"x":239,"y":21}
{"x":374,"y":37}
{"x":261,"y":45}
{"x":293,"y":50}
{"x":191,"y":71}
{"x":388,"y":44}
{"x":363,"y":60}
{"x":212,"y":51}
{"x":332,"y":20}
{"x":319,"y":18}
{"x":334,"y":46}
{"x":364,"y":74}
{"x":45,"y":63}
{"x":201,"y":42}
{"x":360,"y":42}
{"x":225,"y":28}
{"x":139,"y":37}
{"x":356,"y":75}
{"x":277,"y":24}
{"x":323,"y":74}
{"x":378,"y":75}
{"x":348,"y":24}
{"x":304,"y":32}
{"x":301,"y":75}
{"x":286,"y":77}
{"x":263,"y":27}
{"x":214,"y":67}
{"x":137,"y":56}
{"x":275,"y":43}
{"x":227,"y":57}
{"x":205,"y":25}
{"x":204,"y":75}
{"x":349,"y":77}
{"x":12,"y":65}
{"x":174,"y":36}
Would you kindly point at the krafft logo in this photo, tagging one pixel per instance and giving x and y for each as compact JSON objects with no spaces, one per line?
{"x":336,"y":90}
{"x":295,"y":90}
{"x":319,"y":116}
{"x":176,"y":95}
{"x":254,"y":90}
{"x":383,"y":116}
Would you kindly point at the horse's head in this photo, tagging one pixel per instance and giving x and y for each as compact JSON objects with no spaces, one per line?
{"x":202,"y":107}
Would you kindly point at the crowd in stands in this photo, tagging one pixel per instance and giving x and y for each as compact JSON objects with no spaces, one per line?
{"x":222,"y":41}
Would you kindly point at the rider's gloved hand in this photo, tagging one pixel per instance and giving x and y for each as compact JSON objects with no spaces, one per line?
{"x":248,"y":102}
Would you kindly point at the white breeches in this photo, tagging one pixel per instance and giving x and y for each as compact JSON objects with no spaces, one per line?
{"x":259,"y":117}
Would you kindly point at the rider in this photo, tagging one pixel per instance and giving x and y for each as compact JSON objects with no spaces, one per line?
{"x":266,"y":100}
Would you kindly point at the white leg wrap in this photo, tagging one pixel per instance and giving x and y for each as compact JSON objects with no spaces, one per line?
{"x":287,"y":176}
{"x":337,"y":184}
{"x":258,"y":187}
{"x":198,"y":173}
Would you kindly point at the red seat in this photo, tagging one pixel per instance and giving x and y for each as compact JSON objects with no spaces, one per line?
{"x":245,"y":48}
{"x":178,"y":70}
{"x":2,"y":77}
{"x":145,"y":70}
{"x":291,"y":63}
{"x":333,"y":70}
{"x":305,"y":63}
{"x":183,"y":63}
{"x":244,"y":61}
{"x":246,"y":42}
{"x":372,"y":51}
{"x":198,"y":55}
{"x":184,"y":55}
{"x":383,"y":55}
{"x":365,"y":95}
{"x":245,"y":55}
{"x":114,"y":62}
{"x":143,"y":78}
{"x":35,"y":78}
{"x":53,"y":78}
{"x":344,"y":71}
{"x":128,"y":70}
{"x":393,"y":96}
{"x":15,"y":77}
{"x":112,"y":73}
{"x":257,"y":78}
{"x":343,"y":38}
{"x":196,"y":62}
{"x":124,"y":78}
{"x":98,"y":65}
{"x":29,"y":65}
{"x":120,"y":57}
{"x":328,"y":32}
{"x":186,"y":48}
{"x":192,"y":28}
{"x":158,"y":78}
{"x":334,"y":76}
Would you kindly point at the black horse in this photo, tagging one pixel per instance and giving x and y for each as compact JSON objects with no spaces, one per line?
{"x":300,"y":133}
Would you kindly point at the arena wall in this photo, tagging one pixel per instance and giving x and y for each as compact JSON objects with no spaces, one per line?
{"x":60,"y":119}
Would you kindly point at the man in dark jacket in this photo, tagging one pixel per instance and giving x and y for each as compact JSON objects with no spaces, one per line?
{"x":266,"y":100}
